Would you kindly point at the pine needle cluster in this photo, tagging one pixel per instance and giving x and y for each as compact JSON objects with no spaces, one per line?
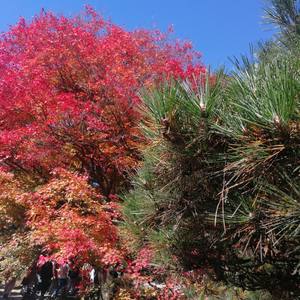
{"x":219,"y":185}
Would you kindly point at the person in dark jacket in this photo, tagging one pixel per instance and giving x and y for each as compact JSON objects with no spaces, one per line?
{"x":46,"y":274}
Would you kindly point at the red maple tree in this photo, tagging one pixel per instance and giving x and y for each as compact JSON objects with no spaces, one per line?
{"x":68,"y":97}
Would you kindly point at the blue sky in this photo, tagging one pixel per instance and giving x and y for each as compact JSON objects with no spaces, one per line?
{"x":217,"y":28}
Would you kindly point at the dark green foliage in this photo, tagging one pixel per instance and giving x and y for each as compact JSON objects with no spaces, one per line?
{"x":220,"y":180}
{"x":284,"y":14}
{"x":219,"y":187}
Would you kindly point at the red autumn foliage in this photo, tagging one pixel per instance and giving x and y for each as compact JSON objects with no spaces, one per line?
{"x":68,"y":96}
{"x":71,"y":219}
{"x":68,"y":93}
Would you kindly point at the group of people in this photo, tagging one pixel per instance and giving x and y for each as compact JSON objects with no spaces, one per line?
{"x":51,"y":278}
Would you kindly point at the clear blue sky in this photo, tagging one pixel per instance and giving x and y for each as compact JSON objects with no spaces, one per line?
{"x":217,"y":28}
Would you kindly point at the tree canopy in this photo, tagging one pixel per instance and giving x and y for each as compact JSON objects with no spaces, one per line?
{"x":68,"y":130}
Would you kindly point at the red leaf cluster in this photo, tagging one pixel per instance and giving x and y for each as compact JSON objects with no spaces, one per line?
{"x":68,"y":93}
